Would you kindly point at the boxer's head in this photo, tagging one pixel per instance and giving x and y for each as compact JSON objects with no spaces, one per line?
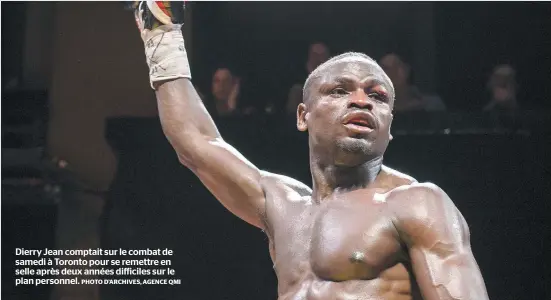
{"x":347,"y":110}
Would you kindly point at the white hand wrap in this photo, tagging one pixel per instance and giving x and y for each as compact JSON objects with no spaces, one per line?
{"x":166,"y":53}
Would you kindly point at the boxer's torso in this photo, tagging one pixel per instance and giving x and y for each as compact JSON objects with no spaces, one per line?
{"x":345,"y":247}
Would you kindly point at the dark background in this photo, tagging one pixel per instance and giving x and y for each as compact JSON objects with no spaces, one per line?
{"x":496,"y":170}
{"x":266,"y":42}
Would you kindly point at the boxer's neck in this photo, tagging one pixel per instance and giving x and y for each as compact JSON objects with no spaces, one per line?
{"x":330,"y":179}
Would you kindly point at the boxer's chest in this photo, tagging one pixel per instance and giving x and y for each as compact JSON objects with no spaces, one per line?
{"x":342,"y":239}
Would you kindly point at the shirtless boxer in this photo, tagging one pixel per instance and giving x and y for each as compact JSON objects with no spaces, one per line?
{"x":364,"y":231}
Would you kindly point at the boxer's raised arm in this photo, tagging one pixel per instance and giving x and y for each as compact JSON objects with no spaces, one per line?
{"x":233,"y":180}
{"x":437,"y":237}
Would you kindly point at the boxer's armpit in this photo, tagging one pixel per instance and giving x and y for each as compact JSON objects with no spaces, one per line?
{"x":294,"y":184}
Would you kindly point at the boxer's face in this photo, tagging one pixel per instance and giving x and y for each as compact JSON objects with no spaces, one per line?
{"x":349,"y":112}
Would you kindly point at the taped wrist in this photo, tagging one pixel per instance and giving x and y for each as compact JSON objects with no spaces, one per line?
{"x":166,"y":54}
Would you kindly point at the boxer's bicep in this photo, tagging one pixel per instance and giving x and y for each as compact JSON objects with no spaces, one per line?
{"x":454,"y":276}
{"x":438,"y":239}
{"x":231,"y":178}
{"x":446,"y":269}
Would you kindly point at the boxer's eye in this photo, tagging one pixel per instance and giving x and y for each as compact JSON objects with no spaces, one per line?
{"x":378,"y":97}
{"x":339,"y":92}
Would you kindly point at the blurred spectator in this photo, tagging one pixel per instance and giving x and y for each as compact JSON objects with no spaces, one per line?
{"x":225,"y":93}
{"x":318,"y":53}
{"x":503,"y":88}
{"x":408,"y":96}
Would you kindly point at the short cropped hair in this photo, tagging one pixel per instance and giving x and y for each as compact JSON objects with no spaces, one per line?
{"x":318,"y":71}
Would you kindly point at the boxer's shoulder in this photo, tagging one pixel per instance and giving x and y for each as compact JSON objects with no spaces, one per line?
{"x":416,"y":191}
{"x":397,"y":174}
{"x":424,"y":214}
{"x":422,"y":198}
{"x":400,"y":184}
{"x":393,"y":179}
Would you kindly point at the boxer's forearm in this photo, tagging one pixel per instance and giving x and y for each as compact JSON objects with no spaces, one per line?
{"x":184,"y":118}
{"x":185,"y":121}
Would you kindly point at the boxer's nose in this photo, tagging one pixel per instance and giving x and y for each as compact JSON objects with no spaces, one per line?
{"x":359,"y":99}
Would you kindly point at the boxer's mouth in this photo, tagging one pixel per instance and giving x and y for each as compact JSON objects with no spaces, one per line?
{"x":360,"y":120}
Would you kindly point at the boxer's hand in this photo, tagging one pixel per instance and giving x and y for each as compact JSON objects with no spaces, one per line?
{"x":160,"y":24}
{"x":150,"y":15}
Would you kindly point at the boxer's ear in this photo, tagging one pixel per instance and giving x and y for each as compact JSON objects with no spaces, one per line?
{"x":302,"y":117}
{"x":390,"y":137}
